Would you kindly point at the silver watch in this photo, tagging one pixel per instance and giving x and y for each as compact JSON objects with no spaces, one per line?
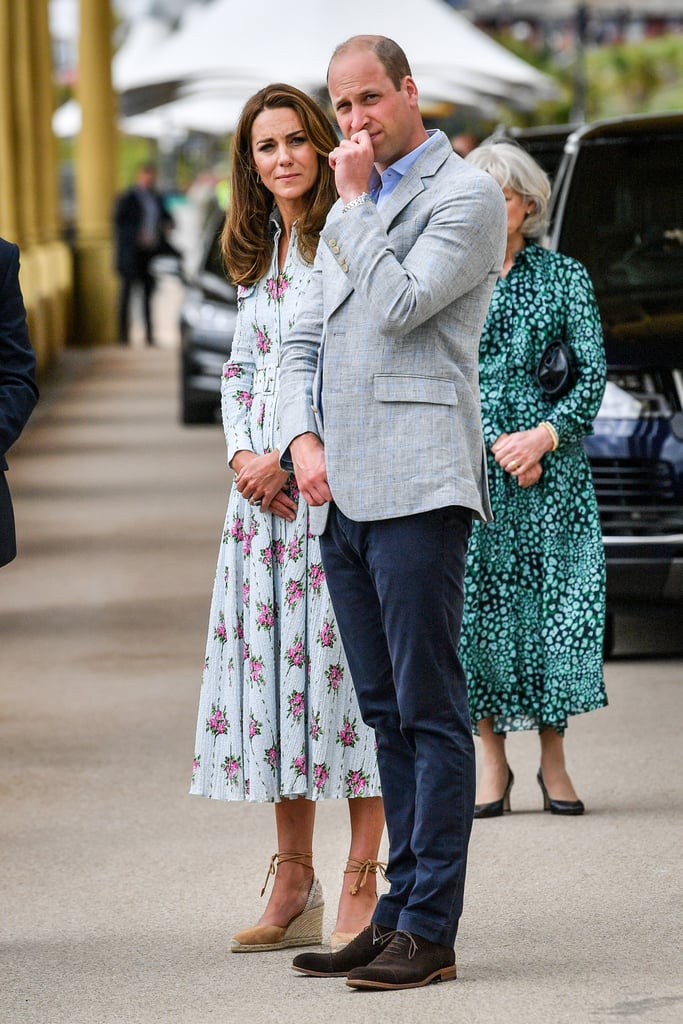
{"x":364,"y":197}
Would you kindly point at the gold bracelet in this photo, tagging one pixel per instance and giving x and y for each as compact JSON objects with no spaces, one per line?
{"x":553,"y":434}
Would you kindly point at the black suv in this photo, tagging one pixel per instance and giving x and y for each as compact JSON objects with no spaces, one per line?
{"x":207,"y":325}
{"x":618,"y":207}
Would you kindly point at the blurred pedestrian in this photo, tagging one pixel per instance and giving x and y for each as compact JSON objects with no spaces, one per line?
{"x":464,"y":142}
{"x":535,"y":584}
{"x":278,"y":718}
{"x":142,"y":222}
{"x":379,"y":410}
{"x":18,"y":389}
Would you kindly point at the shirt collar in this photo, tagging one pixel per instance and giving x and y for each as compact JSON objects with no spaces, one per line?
{"x":392,"y":174}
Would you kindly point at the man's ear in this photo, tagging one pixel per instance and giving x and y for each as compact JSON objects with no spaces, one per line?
{"x":410,"y":87}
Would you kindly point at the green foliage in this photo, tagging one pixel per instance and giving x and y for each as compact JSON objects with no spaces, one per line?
{"x":623,"y":78}
{"x":635,"y":78}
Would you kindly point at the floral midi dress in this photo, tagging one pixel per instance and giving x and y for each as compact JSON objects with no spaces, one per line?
{"x":532,"y":634}
{"x":278,"y":715}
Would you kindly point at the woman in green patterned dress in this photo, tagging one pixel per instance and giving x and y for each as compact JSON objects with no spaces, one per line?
{"x":535,"y":587}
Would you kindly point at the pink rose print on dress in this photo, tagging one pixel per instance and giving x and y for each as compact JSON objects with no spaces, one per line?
{"x":295,"y":654}
{"x":236,"y":530}
{"x":244,"y":399}
{"x":254,"y":727}
{"x":327,"y":636}
{"x":276,"y":287}
{"x":217,"y":723}
{"x":334,"y":676}
{"x":271,"y":758}
{"x":231,"y":766}
{"x":266,"y":615}
{"x":263,"y":342}
{"x":220,"y":633}
{"x":321,"y":773}
{"x":238,"y":631}
{"x":316,"y":730}
{"x":295,"y":702}
{"x":279,"y":551}
{"x":256,"y":671}
{"x":294,"y":592}
{"x":316,"y":576}
{"x":247,"y":538}
{"x":196,"y":765}
{"x":231,"y":370}
{"x":347,"y":735}
{"x":356,"y":783}
{"x":294,"y":491}
{"x":246,"y":589}
{"x":294,"y":548}
{"x":298,"y":764}
{"x":261,"y":414}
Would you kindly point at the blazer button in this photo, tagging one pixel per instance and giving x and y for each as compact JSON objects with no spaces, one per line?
{"x":335,"y":248}
{"x":343,"y":264}
{"x":332,"y":241}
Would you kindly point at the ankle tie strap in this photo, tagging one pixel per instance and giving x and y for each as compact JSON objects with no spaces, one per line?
{"x":361,"y":869}
{"x":284,"y":858}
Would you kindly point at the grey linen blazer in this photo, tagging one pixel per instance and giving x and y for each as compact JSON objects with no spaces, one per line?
{"x":384,"y":350}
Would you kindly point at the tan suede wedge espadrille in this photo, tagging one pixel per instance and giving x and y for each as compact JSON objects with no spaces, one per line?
{"x":305,"y":929}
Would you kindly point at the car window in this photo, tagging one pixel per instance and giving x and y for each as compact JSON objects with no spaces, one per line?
{"x":214,"y":258}
{"x":623,"y":216}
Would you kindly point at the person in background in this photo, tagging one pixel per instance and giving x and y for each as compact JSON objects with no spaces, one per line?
{"x":464,"y":142}
{"x":379,"y":410}
{"x":18,"y":389}
{"x":534,"y":610}
{"x":278,"y":718}
{"x":142,"y":222}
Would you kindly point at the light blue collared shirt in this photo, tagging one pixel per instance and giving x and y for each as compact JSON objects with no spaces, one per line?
{"x":381,"y":186}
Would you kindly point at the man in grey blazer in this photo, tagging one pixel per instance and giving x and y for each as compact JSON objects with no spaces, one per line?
{"x":379,"y":414}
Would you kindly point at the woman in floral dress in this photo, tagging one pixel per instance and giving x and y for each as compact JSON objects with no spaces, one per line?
{"x":535,"y":584}
{"x":278,"y":719}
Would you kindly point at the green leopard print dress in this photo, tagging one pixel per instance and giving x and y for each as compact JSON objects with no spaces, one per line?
{"x":534,"y":608}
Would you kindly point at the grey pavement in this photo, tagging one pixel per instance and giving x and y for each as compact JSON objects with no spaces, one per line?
{"x":119,"y":892}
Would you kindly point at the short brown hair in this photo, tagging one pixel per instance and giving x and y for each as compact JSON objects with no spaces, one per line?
{"x":245,"y":241}
{"x":388,"y":53}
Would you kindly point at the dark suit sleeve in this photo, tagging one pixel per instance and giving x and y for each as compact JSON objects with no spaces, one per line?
{"x":18,"y":390}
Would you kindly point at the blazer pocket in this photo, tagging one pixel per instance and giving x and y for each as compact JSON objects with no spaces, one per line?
{"x":405,"y":387}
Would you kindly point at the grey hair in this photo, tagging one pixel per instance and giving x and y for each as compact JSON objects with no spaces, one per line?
{"x":512,"y":167}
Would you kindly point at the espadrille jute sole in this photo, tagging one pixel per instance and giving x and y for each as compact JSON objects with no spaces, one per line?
{"x":305,"y":930}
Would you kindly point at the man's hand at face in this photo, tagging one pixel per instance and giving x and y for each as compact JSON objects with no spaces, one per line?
{"x":352,"y":162}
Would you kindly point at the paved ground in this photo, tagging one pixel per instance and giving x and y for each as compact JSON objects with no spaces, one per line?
{"x":120,"y":892}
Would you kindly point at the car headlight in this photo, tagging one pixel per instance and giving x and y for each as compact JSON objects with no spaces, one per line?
{"x":634,"y":395}
{"x":209,"y":316}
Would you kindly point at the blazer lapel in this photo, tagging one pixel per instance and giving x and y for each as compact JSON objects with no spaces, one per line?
{"x":413,"y":182}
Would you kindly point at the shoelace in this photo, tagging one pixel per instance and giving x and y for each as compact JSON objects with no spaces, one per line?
{"x":379,"y":939}
{"x":402,"y":943}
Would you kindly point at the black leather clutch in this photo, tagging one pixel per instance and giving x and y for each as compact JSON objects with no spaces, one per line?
{"x":556,"y":372}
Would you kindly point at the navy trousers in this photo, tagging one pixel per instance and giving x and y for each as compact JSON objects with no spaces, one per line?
{"x":397,"y":590}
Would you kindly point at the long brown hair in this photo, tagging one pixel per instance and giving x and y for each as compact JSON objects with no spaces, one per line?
{"x":245,"y":241}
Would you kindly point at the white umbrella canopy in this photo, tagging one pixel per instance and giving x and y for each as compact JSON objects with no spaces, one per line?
{"x":272,"y":41}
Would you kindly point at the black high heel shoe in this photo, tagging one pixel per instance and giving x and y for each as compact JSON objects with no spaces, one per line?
{"x":558,"y":806}
{"x":495,"y":808}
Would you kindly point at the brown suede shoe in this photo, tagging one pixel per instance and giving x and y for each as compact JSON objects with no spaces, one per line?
{"x":359,"y":952}
{"x":408,"y":961}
